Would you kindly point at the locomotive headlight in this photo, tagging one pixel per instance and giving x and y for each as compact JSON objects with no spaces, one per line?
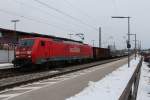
{"x":17,"y":52}
{"x":29,"y":52}
{"x":29,"y":56}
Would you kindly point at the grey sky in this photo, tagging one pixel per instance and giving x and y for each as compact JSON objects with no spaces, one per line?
{"x":93,"y":13}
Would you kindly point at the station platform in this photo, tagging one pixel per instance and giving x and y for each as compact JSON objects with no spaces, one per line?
{"x":63,"y":87}
{"x":6,"y":65}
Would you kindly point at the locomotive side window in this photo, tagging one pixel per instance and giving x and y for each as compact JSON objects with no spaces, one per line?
{"x":42,"y":43}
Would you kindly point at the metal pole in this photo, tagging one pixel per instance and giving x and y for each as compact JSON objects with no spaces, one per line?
{"x":129,"y":41}
{"x":93,"y":42}
{"x":8,"y":53}
{"x":140,"y":45}
{"x":128,"y":45}
{"x":114,"y":45}
{"x":16,"y":37}
{"x":15,"y":31}
{"x":100,"y":41}
{"x":135,"y":47}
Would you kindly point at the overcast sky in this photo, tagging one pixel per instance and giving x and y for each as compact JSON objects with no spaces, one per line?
{"x":80,"y":16}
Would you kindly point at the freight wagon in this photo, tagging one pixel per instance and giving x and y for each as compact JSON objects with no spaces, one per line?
{"x":101,"y":53}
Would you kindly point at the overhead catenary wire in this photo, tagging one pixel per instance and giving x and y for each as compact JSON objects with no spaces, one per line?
{"x":64,"y":13}
{"x":36,"y":8}
{"x":46,"y":13}
{"x":84,"y":13}
{"x":33,"y":19}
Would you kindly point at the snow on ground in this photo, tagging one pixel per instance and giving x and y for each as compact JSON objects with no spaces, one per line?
{"x":144,"y":85}
{"x":110,"y":87}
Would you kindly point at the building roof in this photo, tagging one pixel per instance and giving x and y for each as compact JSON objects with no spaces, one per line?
{"x":37,"y":35}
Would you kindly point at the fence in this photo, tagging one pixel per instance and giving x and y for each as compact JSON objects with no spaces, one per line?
{"x":130,"y":92}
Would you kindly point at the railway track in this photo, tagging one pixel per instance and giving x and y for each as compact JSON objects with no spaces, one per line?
{"x":6,"y":73}
{"x":12,"y":72}
{"x":16,"y":78}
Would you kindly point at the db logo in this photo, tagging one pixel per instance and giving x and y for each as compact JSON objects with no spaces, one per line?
{"x":75,"y":50}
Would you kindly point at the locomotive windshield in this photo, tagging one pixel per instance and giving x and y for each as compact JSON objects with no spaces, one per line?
{"x":26,"y":42}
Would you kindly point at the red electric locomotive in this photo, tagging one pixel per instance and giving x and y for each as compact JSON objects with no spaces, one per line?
{"x":40,"y":50}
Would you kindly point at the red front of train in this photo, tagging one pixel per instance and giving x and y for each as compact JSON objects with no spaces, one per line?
{"x":45,"y":50}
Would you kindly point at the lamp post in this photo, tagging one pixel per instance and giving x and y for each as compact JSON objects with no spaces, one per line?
{"x":16,"y":37}
{"x":15,"y":24}
{"x":128,"y":42}
{"x":135,"y":44}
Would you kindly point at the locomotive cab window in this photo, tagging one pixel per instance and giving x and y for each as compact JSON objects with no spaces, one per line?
{"x":26,"y":42}
{"x":42,"y":43}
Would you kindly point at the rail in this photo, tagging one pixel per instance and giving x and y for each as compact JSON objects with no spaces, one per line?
{"x":18,"y":80}
{"x":130,"y":92}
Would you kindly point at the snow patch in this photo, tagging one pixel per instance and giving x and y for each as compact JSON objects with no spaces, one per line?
{"x":144,"y":85}
{"x":110,"y":87}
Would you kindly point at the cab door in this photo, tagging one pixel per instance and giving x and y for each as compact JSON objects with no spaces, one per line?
{"x":48,"y":49}
{"x":41,"y":52}
{"x":44,"y":49}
